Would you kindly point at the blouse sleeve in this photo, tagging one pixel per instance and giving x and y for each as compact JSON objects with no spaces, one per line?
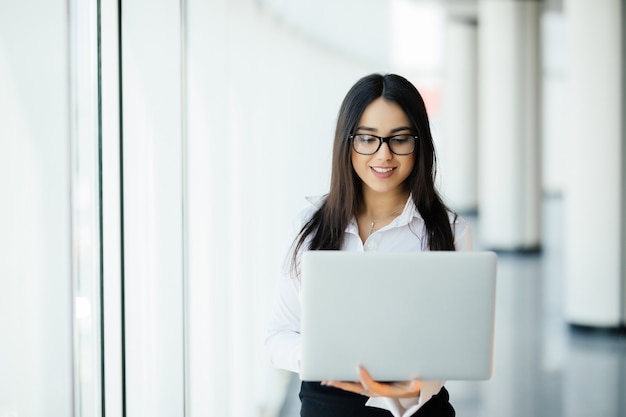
{"x":283,"y":335}
{"x":407,"y":407}
{"x":283,"y":332}
{"x":462,"y":235}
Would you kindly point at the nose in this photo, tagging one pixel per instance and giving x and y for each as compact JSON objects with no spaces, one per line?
{"x":384,"y":152}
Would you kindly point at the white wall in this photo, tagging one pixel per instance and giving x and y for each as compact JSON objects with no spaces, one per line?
{"x":261,"y":106}
{"x":36,"y":373}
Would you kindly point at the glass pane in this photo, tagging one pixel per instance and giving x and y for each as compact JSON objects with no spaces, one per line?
{"x":86,"y":207}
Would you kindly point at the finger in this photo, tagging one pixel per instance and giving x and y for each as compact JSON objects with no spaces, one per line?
{"x":412,"y":386}
{"x":354,"y":387}
{"x":366,"y":379}
{"x":403,"y":389}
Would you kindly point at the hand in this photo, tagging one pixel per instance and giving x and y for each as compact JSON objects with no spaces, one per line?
{"x":370,"y":388}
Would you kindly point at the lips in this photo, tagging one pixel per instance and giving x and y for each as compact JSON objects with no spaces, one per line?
{"x":382,"y":172}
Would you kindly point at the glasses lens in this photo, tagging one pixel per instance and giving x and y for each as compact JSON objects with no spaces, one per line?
{"x":369,"y":144}
{"x":402,"y":144}
{"x":365,"y":144}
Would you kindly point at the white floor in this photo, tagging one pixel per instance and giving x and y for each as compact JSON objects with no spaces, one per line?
{"x":542,"y":367}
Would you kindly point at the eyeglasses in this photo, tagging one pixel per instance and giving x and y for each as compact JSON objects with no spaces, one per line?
{"x":367,"y":144}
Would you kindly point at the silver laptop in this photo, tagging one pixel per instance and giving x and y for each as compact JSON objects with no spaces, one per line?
{"x":427,"y":315}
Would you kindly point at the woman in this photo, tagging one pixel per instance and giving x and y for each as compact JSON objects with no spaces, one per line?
{"x":382,"y":197}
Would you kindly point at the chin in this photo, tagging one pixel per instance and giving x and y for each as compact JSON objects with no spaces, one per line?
{"x":386,"y":189}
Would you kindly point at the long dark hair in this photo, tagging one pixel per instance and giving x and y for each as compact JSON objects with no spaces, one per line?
{"x":325,"y":229}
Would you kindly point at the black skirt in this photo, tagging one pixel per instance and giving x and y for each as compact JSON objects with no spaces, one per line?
{"x":322,"y":401}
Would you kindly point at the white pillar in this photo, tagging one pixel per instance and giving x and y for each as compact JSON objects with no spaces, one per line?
{"x":459,"y":153}
{"x":508,"y":174}
{"x":594,"y":191}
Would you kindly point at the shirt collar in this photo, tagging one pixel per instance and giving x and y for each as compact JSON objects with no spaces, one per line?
{"x":409,"y":213}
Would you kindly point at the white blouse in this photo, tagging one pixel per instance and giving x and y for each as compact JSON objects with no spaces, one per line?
{"x":405,"y":233}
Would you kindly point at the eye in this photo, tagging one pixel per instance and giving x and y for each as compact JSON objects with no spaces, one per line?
{"x":365,"y":139}
{"x":401,"y":139}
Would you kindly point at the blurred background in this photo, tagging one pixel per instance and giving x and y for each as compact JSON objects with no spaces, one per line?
{"x":154,"y":153}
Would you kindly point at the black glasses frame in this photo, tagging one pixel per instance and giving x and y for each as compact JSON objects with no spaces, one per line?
{"x":383,"y":139}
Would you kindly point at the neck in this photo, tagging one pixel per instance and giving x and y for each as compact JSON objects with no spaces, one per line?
{"x":379,"y":205}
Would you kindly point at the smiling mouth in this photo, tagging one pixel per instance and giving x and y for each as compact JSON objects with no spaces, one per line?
{"x":382,"y":170}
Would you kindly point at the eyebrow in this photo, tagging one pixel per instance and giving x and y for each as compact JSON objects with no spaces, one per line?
{"x":372,"y":129}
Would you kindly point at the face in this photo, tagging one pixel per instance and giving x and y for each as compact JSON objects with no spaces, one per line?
{"x":383,"y":172}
